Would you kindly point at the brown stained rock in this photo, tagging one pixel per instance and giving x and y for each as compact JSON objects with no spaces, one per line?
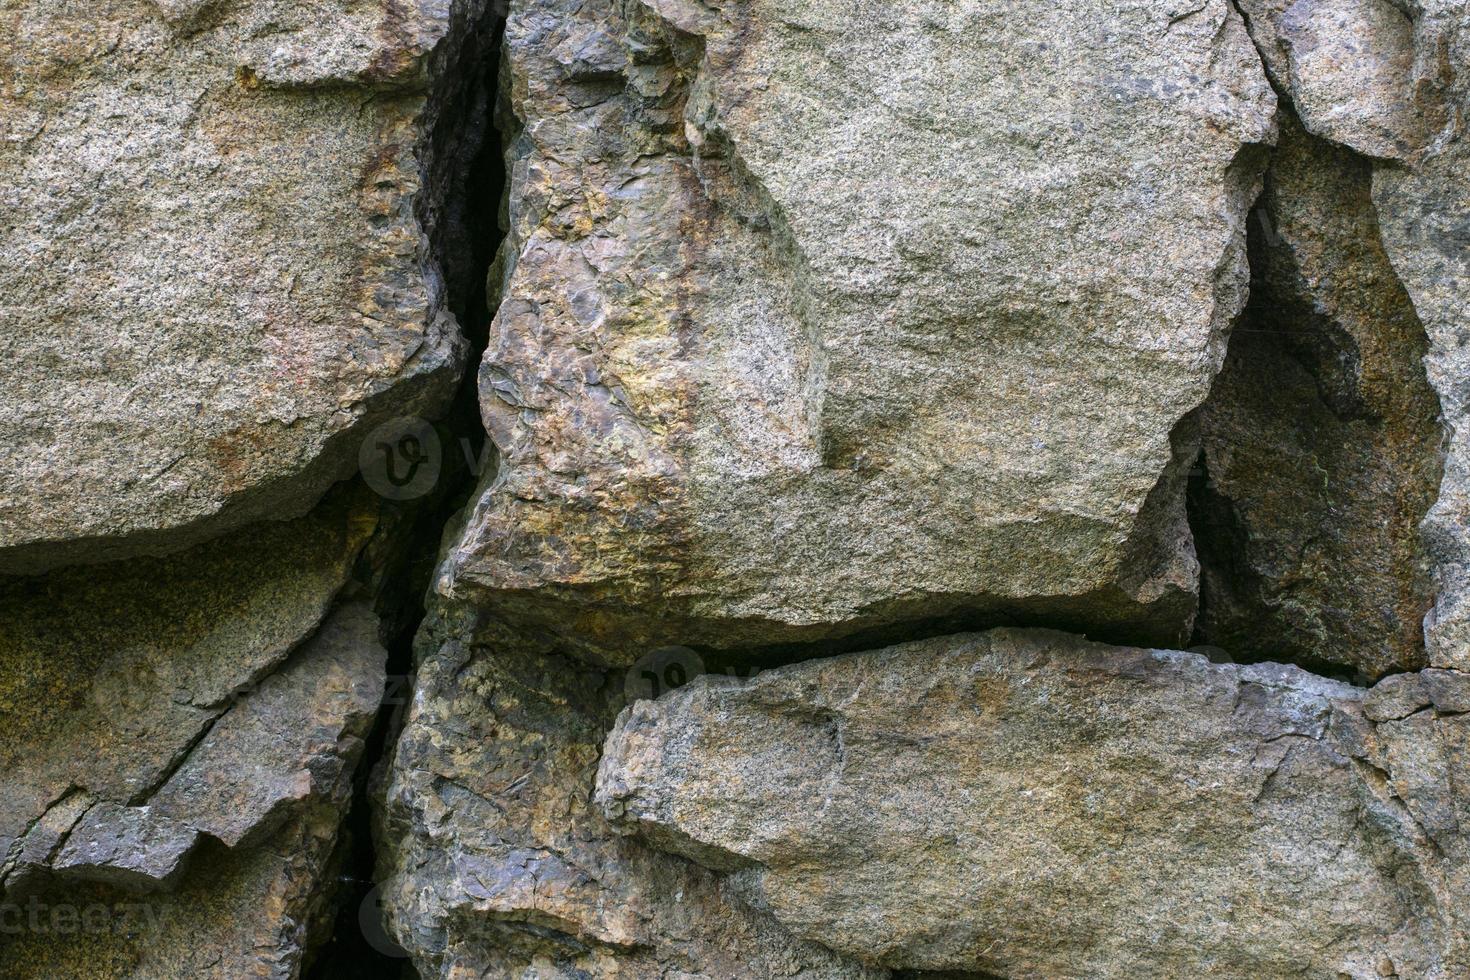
{"x":1029,"y":804}
{"x":1424,"y":208}
{"x":213,"y":278}
{"x":1321,"y":439}
{"x":109,"y":678}
{"x":817,"y":319}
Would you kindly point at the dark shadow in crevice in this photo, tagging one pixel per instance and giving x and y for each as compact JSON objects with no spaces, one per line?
{"x":461,"y":210}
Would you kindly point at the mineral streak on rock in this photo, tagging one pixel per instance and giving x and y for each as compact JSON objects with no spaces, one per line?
{"x":819,"y":317}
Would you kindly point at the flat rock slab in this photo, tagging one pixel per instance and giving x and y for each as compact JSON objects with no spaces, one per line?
{"x":287,"y":739}
{"x":1034,"y":805}
{"x":110,"y":680}
{"x":212,"y":277}
{"x":128,"y":846}
{"x":862,"y":317}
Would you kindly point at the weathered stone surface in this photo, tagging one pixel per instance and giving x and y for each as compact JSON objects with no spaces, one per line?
{"x":287,"y":740}
{"x":1321,"y":438}
{"x":1350,"y":69}
{"x":109,"y":679}
{"x":1424,"y":209}
{"x":213,"y":278}
{"x":1030,"y":804}
{"x":271,"y":780}
{"x":496,"y":864}
{"x":245,"y":913}
{"x":820,"y":317}
{"x":1372,"y":75}
{"x":130,"y":846}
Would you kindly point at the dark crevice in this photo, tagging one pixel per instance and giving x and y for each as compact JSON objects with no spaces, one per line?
{"x":461,"y":210}
{"x":1320,"y":438}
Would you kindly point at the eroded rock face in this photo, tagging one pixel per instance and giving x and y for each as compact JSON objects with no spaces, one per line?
{"x":1030,"y":804}
{"x":1322,"y":445}
{"x":818,"y":318}
{"x":213,"y":277}
{"x":1424,"y":209}
{"x":110,"y":679}
{"x":496,"y":863}
{"x":225,"y":868}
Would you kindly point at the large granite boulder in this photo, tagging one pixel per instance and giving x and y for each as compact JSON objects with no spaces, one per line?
{"x":1028,"y":804}
{"x":819,"y":317}
{"x":217,"y":262}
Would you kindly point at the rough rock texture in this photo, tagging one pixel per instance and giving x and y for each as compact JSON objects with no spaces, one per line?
{"x":820,"y":316}
{"x":496,"y":864}
{"x":1424,"y":209}
{"x":214,"y":278}
{"x":1321,"y":438}
{"x":269,"y":781}
{"x":108,"y":681}
{"x":1027,"y":803}
{"x":1351,"y":69}
{"x":822,"y":325}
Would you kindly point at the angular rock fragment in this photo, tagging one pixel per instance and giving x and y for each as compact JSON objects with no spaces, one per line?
{"x":1029,"y":804}
{"x":1349,"y":67}
{"x":286,"y":741}
{"x":818,"y":318}
{"x":1321,"y":438}
{"x":109,"y":680}
{"x":249,"y":910}
{"x":496,"y":864}
{"x":214,"y":277}
{"x":124,"y":845}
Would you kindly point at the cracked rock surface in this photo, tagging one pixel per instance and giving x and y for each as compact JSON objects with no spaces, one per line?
{"x":212,"y":276}
{"x":721,"y":489}
{"x":803,"y":334}
{"x":1032,"y":805}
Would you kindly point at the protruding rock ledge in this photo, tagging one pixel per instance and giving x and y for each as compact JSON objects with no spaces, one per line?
{"x":1032,"y":804}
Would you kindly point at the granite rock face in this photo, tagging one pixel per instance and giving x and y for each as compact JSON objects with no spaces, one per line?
{"x":496,"y":863}
{"x":1321,"y":438}
{"x":817,"y":318}
{"x":1031,"y":805}
{"x":856,"y":372}
{"x":215,"y":275}
{"x":1424,"y":208}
